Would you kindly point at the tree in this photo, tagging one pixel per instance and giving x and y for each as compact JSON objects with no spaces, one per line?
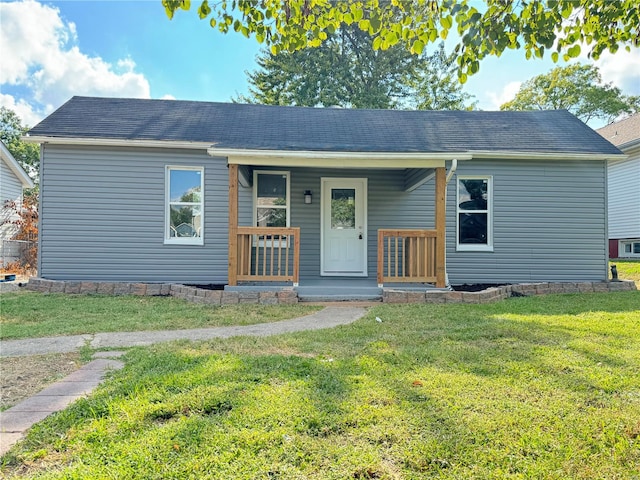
{"x":11,"y":131}
{"x":345,"y":71}
{"x":436,"y":87}
{"x":24,"y":217}
{"x":577,"y":88}
{"x":537,"y":26}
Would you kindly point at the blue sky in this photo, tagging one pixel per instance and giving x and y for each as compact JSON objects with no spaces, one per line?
{"x":52,"y":50}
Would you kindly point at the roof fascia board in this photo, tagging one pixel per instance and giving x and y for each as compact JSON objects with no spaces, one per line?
{"x":480,"y":154}
{"x":389,"y":160}
{"x":629,"y":145}
{"x":117,"y":142}
{"x":341,"y":162}
{"x":15,"y":167}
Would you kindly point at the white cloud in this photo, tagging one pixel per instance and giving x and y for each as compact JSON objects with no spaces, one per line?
{"x":40,"y":56}
{"x":622,"y":69}
{"x":167,"y":96}
{"x":26,"y":112}
{"x":507,"y":93}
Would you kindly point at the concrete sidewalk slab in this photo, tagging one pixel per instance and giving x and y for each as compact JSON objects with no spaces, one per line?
{"x":15,"y":421}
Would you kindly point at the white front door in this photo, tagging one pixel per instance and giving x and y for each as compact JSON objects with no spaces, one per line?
{"x":344,"y":227}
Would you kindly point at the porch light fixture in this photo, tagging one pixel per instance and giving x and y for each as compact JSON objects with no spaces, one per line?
{"x":307,"y":196}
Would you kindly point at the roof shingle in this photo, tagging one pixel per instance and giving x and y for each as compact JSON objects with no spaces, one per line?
{"x":262,"y":127}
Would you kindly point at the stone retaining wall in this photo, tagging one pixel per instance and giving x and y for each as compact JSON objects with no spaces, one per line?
{"x":500,"y":293}
{"x":288,"y":295}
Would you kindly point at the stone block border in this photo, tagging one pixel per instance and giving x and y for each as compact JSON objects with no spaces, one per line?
{"x":288,"y":295}
{"x":495,"y":294}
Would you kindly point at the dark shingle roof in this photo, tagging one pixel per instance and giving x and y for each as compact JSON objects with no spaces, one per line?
{"x":240,"y":126}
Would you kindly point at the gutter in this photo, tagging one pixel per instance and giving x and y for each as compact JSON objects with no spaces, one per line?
{"x":452,"y":171}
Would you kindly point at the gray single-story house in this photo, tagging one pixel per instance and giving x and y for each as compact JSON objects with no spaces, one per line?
{"x":220,"y":193}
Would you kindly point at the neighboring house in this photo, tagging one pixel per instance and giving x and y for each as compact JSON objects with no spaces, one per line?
{"x":216,"y":193}
{"x":13,"y":179}
{"x":624,"y":188}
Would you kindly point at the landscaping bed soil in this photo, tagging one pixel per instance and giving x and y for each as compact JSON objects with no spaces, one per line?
{"x":476,"y":287}
{"x":210,"y":286}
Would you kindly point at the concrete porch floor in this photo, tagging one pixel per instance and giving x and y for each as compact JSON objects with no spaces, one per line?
{"x":336,"y":289}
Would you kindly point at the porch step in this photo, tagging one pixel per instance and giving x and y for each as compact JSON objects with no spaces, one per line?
{"x":338,"y":294}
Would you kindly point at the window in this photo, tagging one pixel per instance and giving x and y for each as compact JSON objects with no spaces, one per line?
{"x":474,"y":210}
{"x":270,"y":202}
{"x":629,"y":248}
{"x":185,"y":205}
{"x":271,"y":199}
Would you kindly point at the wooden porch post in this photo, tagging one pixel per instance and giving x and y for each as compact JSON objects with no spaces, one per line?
{"x":441,"y":225}
{"x":233,"y":224}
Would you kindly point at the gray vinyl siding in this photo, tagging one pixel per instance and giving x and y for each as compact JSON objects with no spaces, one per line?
{"x":624,"y":197}
{"x":549,"y":223}
{"x":10,"y":190}
{"x":103,"y":214}
{"x":103,"y":217}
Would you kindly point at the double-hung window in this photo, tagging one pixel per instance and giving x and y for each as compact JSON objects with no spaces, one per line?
{"x":271,"y":195}
{"x":184,"y":205}
{"x":271,"y":198}
{"x":475,"y":213}
{"x":629,"y":248}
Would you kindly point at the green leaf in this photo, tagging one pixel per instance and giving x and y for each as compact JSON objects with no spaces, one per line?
{"x":364,"y":25}
{"x":375,"y":24}
{"x":574,"y":51}
{"x":554,"y":57}
{"x":417,"y":47}
{"x":212,"y":22}
{"x":204,"y":10}
{"x":446,"y":22}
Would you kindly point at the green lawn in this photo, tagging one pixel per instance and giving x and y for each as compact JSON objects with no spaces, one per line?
{"x":35,"y":315}
{"x":628,"y":270}
{"x":543,"y":387}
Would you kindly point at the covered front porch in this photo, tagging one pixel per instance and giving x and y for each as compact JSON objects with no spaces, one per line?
{"x":413,"y":257}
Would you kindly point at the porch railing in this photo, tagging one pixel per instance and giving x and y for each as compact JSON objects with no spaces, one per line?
{"x":269,"y":254}
{"x":406,"y":256}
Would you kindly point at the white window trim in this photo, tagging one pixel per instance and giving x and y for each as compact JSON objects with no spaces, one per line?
{"x":168,"y":240}
{"x":622,"y":253}
{"x":468,"y":247}
{"x":285,"y":173}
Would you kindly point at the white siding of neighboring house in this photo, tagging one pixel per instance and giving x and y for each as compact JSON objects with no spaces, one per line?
{"x":10,"y":190}
{"x":624,"y":197}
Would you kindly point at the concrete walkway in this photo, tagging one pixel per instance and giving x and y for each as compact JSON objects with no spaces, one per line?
{"x":15,"y":421}
{"x":326,"y":318}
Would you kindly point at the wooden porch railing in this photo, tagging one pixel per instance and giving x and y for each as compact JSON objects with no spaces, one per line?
{"x":407,"y":256}
{"x":268,"y":254}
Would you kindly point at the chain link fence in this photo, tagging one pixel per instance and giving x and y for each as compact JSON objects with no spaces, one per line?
{"x":18,"y":253}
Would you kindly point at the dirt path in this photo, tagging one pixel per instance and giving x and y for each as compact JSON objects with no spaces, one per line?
{"x":22,"y":377}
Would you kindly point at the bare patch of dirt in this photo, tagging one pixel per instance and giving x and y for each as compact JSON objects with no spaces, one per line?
{"x":476,"y":287}
{"x":22,"y":377}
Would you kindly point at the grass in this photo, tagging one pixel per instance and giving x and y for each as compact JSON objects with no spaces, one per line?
{"x":542,"y":387}
{"x":628,"y":270}
{"x":35,"y":315}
